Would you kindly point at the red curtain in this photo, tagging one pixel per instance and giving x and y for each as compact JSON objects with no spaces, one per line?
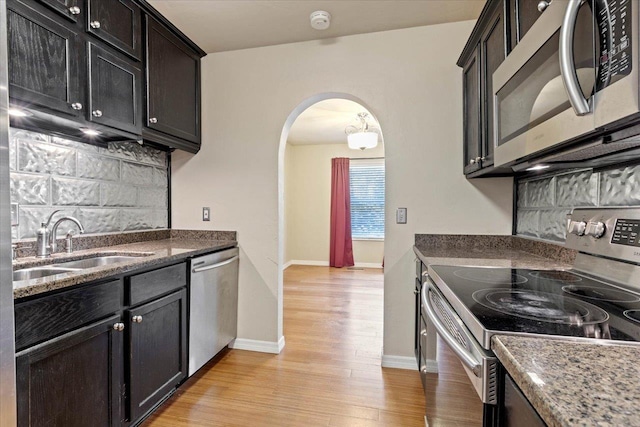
{"x":341,"y":251}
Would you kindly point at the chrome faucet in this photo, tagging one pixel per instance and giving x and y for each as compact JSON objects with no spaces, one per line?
{"x":46,"y":240}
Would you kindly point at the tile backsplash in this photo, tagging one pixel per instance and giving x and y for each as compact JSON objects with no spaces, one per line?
{"x":119,"y":188}
{"x":543,"y":203}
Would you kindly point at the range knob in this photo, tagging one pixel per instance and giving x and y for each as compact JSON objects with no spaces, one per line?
{"x":595,"y":229}
{"x":577,"y":227}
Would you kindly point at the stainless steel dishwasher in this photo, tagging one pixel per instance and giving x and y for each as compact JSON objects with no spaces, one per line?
{"x":213,"y":305}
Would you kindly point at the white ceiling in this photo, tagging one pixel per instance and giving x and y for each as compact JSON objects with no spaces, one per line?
{"x":325,"y":121}
{"x":221,"y":25}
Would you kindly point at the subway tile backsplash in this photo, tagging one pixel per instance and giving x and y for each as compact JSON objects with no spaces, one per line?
{"x":543,"y":203}
{"x":119,"y":188}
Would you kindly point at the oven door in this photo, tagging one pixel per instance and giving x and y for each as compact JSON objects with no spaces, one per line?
{"x":481,"y":365}
{"x":543,"y":90}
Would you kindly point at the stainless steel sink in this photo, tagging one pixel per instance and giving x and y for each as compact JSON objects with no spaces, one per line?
{"x":97,"y":261}
{"x":37,"y":272}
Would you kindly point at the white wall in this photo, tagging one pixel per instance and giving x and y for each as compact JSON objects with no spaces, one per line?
{"x":408,"y":79}
{"x":308,"y":202}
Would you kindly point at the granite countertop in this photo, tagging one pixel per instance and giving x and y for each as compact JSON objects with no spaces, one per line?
{"x":571,"y":383}
{"x":491,"y":251}
{"x":148,"y":253}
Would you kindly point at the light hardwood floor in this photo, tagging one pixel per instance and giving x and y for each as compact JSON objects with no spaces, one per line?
{"x":329,"y":372}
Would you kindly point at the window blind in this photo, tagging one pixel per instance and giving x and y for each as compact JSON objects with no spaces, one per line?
{"x":366,"y":181}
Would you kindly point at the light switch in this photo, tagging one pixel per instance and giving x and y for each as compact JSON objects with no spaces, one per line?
{"x":401,"y":216}
{"x":206,"y":214}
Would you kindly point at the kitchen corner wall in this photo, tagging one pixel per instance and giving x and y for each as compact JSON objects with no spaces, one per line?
{"x":119,"y":188}
{"x":543,"y":203}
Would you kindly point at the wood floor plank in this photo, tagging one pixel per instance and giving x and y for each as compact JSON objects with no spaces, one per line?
{"x":329,"y":373}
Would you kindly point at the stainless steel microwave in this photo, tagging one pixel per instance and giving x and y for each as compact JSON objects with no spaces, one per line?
{"x":575,"y":73}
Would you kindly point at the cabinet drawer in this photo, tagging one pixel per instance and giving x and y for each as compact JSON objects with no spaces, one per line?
{"x":44,"y":318}
{"x":146,"y":286}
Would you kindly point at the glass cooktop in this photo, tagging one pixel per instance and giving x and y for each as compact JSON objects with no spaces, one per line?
{"x":548,"y":302}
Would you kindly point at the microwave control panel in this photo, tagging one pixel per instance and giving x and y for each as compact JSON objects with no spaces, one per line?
{"x":614,"y":26}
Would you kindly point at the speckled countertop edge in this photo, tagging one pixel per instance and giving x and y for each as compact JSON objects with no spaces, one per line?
{"x":574,"y":384}
{"x":148,"y":253}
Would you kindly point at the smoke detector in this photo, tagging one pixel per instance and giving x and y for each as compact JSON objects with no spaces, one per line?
{"x":320,"y":20}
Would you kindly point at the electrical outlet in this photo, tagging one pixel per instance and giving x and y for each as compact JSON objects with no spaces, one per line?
{"x":401,"y":216}
{"x":206,"y":214}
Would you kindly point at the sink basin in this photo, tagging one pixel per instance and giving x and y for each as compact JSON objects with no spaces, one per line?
{"x":37,"y":272}
{"x":97,"y":261}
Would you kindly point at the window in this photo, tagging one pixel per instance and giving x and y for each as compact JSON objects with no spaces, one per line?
{"x":366,"y":181}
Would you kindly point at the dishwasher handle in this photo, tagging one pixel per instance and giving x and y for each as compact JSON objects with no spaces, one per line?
{"x":217,"y":265}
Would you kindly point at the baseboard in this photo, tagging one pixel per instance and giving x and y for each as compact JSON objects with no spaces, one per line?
{"x":326,"y":263}
{"x":399,"y":362}
{"x":287,"y":265}
{"x":259,"y":346}
{"x":426,"y":423}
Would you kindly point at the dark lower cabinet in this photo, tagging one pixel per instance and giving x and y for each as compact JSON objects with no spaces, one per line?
{"x":517,"y":411}
{"x":157,"y":351}
{"x":74,"y":380}
{"x":44,"y":60}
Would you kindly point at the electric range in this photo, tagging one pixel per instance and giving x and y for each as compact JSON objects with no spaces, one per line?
{"x":597,"y":300}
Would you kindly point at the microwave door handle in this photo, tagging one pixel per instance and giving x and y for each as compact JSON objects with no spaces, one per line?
{"x":465,"y":356}
{"x":567,"y":65}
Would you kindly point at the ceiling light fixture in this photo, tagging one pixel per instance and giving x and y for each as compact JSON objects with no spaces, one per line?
{"x":90,"y":132}
{"x":537,"y":168}
{"x":361,"y":138}
{"x":320,"y":20}
{"x":16,"y":112}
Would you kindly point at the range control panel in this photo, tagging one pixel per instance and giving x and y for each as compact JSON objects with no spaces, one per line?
{"x":626,"y":232}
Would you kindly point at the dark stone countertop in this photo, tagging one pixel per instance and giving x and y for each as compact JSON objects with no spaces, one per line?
{"x":148,"y":253}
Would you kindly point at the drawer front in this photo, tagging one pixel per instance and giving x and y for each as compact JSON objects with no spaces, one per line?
{"x":44,"y":318}
{"x":146,"y":286}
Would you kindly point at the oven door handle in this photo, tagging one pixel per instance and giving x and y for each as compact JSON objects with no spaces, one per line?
{"x":465,"y":356}
{"x":567,"y":64}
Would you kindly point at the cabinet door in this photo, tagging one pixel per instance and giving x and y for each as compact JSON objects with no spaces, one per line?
{"x":114,"y":94}
{"x":173,"y":84}
{"x":157,"y":359}
{"x":522,"y":14}
{"x":118,"y":23}
{"x":70,"y":9}
{"x":74,"y":380}
{"x":517,"y":411}
{"x":471,"y":114}
{"x":492,"y":44}
{"x":43,"y":60}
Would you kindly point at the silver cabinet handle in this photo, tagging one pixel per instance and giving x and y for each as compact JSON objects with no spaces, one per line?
{"x":542,"y":6}
{"x":415,"y":292}
{"x":94,"y":24}
{"x":423,"y":369}
{"x":96,"y":113}
{"x":212,"y":266}
{"x":76,"y":106}
{"x":423,"y":333}
{"x":567,"y":65}
{"x":137,"y":319}
{"x":74,"y":10}
{"x":472,"y":161}
{"x":153,"y":120}
{"x":465,"y":356}
{"x":118,"y":327}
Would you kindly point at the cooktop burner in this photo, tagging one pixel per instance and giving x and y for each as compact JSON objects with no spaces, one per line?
{"x":633,"y":315}
{"x":602,"y":294}
{"x":492,"y":276}
{"x":541,"y":306}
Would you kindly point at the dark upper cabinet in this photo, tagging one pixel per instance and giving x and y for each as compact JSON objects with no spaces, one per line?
{"x":472,"y":133}
{"x":493,"y":53}
{"x":44,"y":60}
{"x":117,"y":23}
{"x":157,"y":357}
{"x":114,"y":91}
{"x":173,"y":86}
{"x":70,"y":9}
{"x":522,"y":15}
{"x":74,"y":380}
